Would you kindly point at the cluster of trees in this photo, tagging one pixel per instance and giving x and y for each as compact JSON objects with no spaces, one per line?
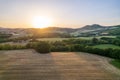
{"x":115,"y":31}
{"x":77,"y":41}
{"x":4,"y":37}
{"x":115,"y":41}
{"x":36,"y":36}
{"x":112,"y":53}
{"x":74,"y":45}
{"x":62,"y":46}
{"x":19,"y":39}
{"x":42,"y":47}
{"x":53,"y":35}
{"x":2,"y":40}
{"x":59,"y":46}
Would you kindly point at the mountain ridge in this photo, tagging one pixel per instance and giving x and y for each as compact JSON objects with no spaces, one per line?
{"x":96,"y":28}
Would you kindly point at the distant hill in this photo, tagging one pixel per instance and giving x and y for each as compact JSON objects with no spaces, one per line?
{"x":58,"y":29}
{"x":91,"y":29}
{"x":114,"y":31}
{"x":88,"y":29}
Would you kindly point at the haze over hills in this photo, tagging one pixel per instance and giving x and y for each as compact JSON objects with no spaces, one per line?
{"x":95,"y":28}
{"x":88,"y":29}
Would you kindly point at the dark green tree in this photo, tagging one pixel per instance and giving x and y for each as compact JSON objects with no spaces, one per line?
{"x":42,"y":47}
{"x":94,"y":40}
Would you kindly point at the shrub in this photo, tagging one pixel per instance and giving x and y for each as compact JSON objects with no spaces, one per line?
{"x":42,"y":47}
{"x":116,"y":63}
{"x":59,"y":48}
{"x":77,"y":47}
{"x":95,"y":40}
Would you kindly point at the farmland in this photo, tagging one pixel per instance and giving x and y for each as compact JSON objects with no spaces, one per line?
{"x":30,"y":65}
{"x":89,"y":38}
{"x":60,"y":39}
{"x":106,"y":46}
{"x":52,"y":39}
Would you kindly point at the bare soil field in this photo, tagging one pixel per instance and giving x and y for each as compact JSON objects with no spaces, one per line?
{"x":30,"y":65}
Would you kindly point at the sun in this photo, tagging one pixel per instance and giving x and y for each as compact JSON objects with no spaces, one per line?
{"x":41,"y":22}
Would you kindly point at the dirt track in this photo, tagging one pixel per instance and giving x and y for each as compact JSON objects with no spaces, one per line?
{"x":29,"y":65}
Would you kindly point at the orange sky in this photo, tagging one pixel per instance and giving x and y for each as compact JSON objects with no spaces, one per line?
{"x":65,"y":13}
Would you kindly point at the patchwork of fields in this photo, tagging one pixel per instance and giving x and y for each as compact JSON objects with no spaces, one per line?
{"x":106,"y":46}
{"x":30,"y":65}
{"x":60,"y":39}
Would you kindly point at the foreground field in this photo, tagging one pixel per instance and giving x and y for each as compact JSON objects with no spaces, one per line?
{"x":30,"y":65}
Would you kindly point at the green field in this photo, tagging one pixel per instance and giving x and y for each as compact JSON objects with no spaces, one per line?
{"x":52,"y":39}
{"x":105,"y":46}
{"x":60,"y":39}
{"x":97,"y":37}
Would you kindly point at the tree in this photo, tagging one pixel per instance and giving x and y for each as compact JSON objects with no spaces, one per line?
{"x":42,"y":47}
{"x":94,"y":40}
{"x":77,"y":47}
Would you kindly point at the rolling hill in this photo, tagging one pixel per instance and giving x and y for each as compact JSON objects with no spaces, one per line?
{"x":87,"y":30}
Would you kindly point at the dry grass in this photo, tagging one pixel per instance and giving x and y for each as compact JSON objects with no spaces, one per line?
{"x":30,"y":65}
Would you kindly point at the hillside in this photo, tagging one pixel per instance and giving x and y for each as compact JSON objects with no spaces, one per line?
{"x":94,"y":26}
{"x":115,"y":31}
{"x":88,"y":30}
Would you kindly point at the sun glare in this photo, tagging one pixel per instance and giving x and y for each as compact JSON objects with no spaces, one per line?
{"x":41,"y":22}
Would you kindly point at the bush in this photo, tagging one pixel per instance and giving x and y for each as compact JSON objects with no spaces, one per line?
{"x":42,"y":47}
{"x":116,"y":63}
{"x":95,"y":40}
{"x":59,"y":48}
{"x":77,"y":47}
{"x":112,"y":53}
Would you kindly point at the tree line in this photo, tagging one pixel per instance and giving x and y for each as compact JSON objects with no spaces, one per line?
{"x":70,"y":45}
{"x":64,"y":46}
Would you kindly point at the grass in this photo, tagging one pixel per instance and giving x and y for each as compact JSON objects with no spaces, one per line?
{"x":52,"y":39}
{"x":115,"y":63}
{"x":89,"y":38}
{"x":105,"y":46}
{"x":60,"y":39}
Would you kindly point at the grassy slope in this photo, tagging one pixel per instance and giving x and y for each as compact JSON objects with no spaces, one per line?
{"x":60,"y":39}
{"x":97,"y":37}
{"x":52,"y":39}
{"x":105,"y":46}
{"x":116,"y":63}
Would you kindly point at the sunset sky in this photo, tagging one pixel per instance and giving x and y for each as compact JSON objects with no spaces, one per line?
{"x":63,"y":13}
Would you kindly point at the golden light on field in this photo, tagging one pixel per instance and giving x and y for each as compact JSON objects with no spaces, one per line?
{"x":41,"y":22}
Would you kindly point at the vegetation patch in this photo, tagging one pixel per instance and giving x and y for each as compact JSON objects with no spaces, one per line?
{"x":106,"y":46}
{"x":11,"y":47}
{"x":42,"y":47}
{"x":98,"y":37}
{"x":52,"y":39}
{"x":116,"y":63}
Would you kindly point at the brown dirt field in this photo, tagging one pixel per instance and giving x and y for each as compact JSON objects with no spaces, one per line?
{"x":30,"y":65}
